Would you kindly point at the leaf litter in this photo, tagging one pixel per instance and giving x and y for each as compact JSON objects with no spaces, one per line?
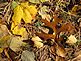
{"x":40,"y":30}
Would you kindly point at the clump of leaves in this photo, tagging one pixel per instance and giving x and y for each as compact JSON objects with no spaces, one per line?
{"x":67,"y":27}
{"x":22,"y":12}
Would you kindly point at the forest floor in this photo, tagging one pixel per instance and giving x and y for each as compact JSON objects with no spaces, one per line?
{"x":40,"y":30}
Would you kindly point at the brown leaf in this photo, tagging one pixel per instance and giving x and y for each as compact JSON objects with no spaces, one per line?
{"x":45,"y":36}
{"x":68,"y":27}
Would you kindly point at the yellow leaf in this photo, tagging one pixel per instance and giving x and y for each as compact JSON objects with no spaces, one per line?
{"x":32,"y":9}
{"x":18,"y":14}
{"x":24,"y":5}
{"x":26,"y":16}
{"x":19,"y":31}
{"x":12,"y":26}
{"x":1,"y":50}
{"x":37,"y":42}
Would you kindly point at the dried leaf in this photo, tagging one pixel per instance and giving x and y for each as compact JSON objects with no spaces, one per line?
{"x":4,"y":37}
{"x":43,"y":12}
{"x":27,"y":56}
{"x":37,"y":1}
{"x":34,"y":1}
{"x":60,"y":51}
{"x":16,"y":43}
{"x":68,"y":27}
{"x":44,"y":0}
{"x":45,"y":36}
{"x":37,"y":42}
{"x":71,"y":39}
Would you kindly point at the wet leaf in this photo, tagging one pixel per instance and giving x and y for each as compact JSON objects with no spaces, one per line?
{"x":27,"y":56}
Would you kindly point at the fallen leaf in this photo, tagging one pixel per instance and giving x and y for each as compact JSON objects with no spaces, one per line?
{"x":71,"y":39}
{"x":1,"y":50}
{"x":18,"y":14}
{"x":43,"y":12}
{"x":37,"y":42}
{"x":37,"y":1}
{"x":27,"y":16}
{"x":45,"y":35}
{"x":34,"y":1}
{"x":44,"y":0}
{"x":19,"y":31}
{"x":14,"y":4}
{"x":16,"y":43}
{"x":60,"y":51}
{"x":27,"y":56}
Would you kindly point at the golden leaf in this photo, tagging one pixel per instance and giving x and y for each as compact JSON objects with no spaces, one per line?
{"x":19,"y":31}
{"x":26,"y":16}
{"x":18,"y":14}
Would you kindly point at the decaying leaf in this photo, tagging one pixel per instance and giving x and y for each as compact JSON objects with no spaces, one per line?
{"x":4,"y":37}
{"x":71,"y":39}
{"x":37,"y":42}
{"x":16,"y":43}
{"x":27,"y":56}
